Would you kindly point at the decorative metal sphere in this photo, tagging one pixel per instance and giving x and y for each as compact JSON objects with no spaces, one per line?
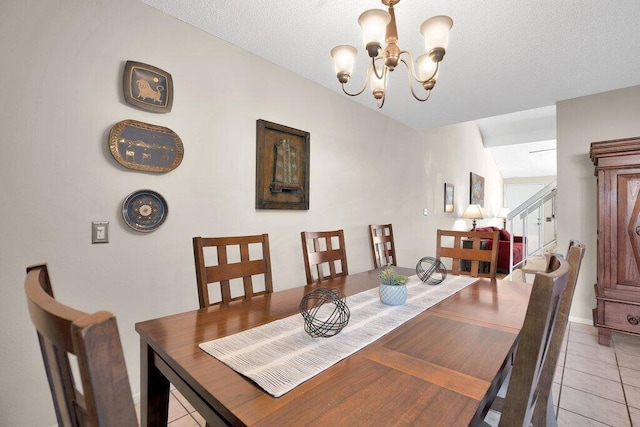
{"x":431,"y":270}
{"x":325,"y":312}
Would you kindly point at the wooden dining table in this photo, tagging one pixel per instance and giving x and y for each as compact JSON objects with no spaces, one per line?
{"x":443,"y":367}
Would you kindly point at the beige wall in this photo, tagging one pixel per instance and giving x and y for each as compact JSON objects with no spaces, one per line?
{"x":580,"y":121}
{"x":61,"y":74}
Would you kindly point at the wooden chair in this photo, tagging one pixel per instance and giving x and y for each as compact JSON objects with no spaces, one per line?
{"x":95,"y":341}
{"x":544,"y":415}
{"x":526,"y":383}
{"x":473,"y":254}
{"x":224,"y":271}
{"x":324,"y":252}
{"x":382,"y":246}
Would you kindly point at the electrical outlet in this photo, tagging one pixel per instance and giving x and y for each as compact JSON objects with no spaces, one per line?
{"x":100,"y":232}
{"x":425,"y":212}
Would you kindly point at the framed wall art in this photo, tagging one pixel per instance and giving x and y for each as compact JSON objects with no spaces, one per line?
{"x":147,"y":87}
{"x":282,"y":167}
{"x":145,"y":147}
{"x":476,"y":194}
{"x":448,"y":197}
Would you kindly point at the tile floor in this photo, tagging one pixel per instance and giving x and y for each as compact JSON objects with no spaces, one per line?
{"x":181,"y":413}
{"x":595,"y":385}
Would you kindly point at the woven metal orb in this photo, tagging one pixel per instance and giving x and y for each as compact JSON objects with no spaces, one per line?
{"x":431,"y":270}
{"x":325,"y":312}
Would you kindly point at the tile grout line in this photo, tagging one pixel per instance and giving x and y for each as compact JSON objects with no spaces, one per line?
{"x":624,"y":392}
{"x":584,"y":416}
{"x":188,"y":414}
{"x":564,"y":362}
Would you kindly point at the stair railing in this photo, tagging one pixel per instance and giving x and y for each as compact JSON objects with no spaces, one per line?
{"x":534,"y":204}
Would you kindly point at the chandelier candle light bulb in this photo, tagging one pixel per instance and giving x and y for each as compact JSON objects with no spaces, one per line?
{"x":379,"y":27}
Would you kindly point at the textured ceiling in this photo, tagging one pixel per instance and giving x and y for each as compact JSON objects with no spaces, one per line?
{"x":503,"y":56}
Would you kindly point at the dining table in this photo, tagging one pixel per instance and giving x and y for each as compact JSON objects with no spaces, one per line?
{"x":442,"y":367}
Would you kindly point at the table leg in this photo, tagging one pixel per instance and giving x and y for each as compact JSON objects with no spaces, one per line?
{"x":154,"y":390}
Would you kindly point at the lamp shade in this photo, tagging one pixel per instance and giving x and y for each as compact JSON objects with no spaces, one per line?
{"x":377,"y":85}
{"x":473,"y":212}
{"x":343,"y":58}
{"x":374,"y":25}
{"x":435,"y":31}
{"x":426,"y":67}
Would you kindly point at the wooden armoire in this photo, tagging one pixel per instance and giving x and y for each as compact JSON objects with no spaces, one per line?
{"x":617,"y":165}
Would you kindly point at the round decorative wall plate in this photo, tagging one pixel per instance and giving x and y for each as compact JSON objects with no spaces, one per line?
{"x":144,"y":210}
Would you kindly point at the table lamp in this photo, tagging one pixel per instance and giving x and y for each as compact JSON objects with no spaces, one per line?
{"x":504,"y":213}
{"x":473,"y":212}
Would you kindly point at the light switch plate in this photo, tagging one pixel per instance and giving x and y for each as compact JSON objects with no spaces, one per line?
{"x":100,"y":232}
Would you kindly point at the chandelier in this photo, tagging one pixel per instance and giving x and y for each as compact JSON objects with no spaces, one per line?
{"x":379,"y":27}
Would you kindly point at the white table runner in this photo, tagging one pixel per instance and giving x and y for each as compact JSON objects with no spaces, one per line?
{"x":280,"y":355}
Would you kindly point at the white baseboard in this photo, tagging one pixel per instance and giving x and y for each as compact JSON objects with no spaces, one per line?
{"x":581,"y":320}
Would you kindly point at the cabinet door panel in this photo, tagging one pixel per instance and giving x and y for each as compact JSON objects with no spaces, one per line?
{"x":628,"y":230}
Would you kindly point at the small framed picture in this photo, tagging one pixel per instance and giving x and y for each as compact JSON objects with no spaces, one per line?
{"x":448,"y":197}
{"x":147,"y":87}
{"x":476,"y":193}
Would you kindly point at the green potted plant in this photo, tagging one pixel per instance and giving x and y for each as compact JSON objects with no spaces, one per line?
{"x":393,"y":287}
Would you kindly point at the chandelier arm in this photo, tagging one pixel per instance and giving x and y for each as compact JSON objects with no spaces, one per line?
{"x":364,"y":86}
{"x":409,"y":75}
{"x":375,"y":70}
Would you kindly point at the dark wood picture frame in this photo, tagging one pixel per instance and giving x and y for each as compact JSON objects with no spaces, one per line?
{"x":476,"y":190}
{"x":147,"y":87}
{"x":448,"y":198}
{"x":282,"y":167}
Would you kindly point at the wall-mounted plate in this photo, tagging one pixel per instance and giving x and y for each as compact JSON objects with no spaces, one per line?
{"x":144,"y":210}
{"x":147,"y":87}
{"x":145,"y":147}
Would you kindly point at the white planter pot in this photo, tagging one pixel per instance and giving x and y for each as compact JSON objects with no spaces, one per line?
{"x":393,"y":294}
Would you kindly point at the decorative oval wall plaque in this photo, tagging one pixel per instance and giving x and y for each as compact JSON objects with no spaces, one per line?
{"x":144,"y":210}
{"x":144,"y":147}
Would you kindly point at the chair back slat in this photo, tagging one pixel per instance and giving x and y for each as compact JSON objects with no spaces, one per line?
{"x":534,"y":344}
{"x":224,"y":271}
{"x":95,"y":341}
{"x":324,"y":253}
{"x":382,"y":245}
{"x":473,"y":255}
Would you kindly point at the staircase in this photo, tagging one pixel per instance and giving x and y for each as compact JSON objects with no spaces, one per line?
{"x":536,"y":220}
